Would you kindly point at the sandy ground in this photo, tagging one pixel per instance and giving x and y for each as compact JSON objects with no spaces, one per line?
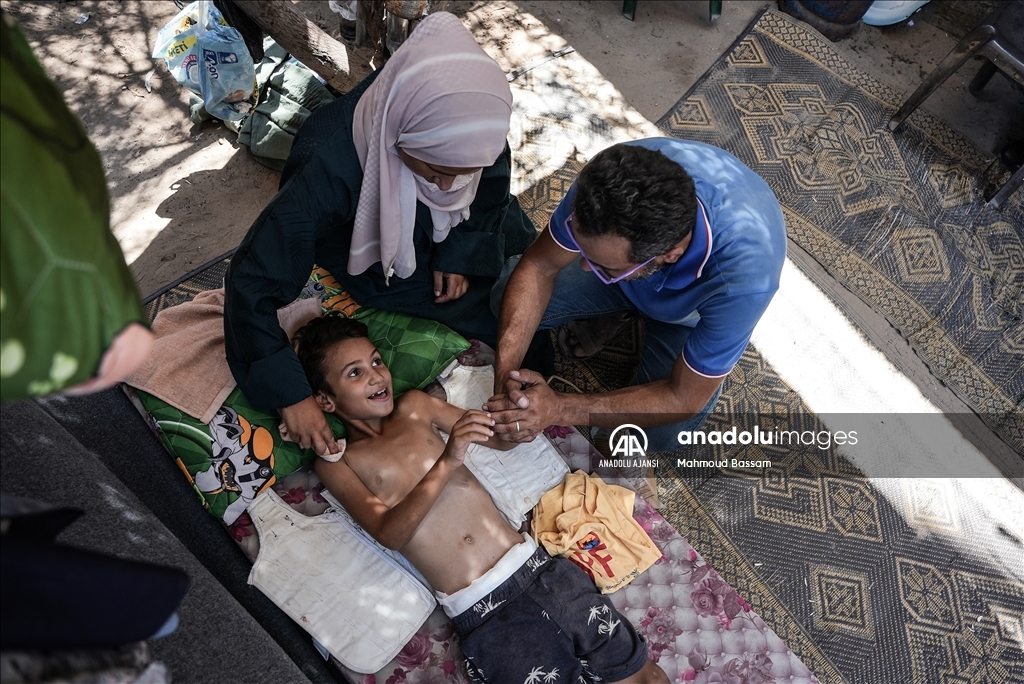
{"x":183,"y":194}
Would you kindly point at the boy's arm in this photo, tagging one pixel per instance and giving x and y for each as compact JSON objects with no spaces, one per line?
{"x":444,"y":415}
{"x":394,"y":526}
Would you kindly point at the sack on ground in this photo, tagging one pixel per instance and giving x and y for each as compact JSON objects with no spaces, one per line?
{"x":209,"y":58}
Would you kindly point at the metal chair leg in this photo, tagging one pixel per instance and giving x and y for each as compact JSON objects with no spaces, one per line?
{"x":953,"y":61}
{"x":1009,"y":187}
{"x":981,"y":79}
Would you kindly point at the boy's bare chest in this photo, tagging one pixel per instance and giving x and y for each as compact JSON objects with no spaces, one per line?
{"x":392,"y":464}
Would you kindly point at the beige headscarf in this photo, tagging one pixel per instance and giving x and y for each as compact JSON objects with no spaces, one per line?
{"x":445,"y":102}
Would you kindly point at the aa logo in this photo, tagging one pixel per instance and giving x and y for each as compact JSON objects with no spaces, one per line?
{"x":625,"y":442}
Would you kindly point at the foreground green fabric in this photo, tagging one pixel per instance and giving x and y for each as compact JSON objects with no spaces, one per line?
{"x":65,"y":290}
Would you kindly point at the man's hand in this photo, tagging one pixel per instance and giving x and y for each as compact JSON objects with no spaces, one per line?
{"x":449,"y":286}
{"x":510,"y":390}
{"x":528,"y":407}
{"x":473,"y":426}
{"x":305,"y":424}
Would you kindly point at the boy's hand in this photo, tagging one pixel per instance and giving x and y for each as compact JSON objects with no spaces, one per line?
{"x":473,"y":426}
{"x":305,"y":423}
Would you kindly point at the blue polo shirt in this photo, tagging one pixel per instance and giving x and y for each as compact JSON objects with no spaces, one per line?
{"x":730,"y":270}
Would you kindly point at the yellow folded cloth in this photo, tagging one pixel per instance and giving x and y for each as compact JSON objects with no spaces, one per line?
{"x":591,"y":523}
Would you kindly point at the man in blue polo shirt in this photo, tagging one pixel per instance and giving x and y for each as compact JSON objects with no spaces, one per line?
{"x":682,"y":233}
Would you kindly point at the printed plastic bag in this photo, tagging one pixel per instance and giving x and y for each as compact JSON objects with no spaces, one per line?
{"x":209,"y":58}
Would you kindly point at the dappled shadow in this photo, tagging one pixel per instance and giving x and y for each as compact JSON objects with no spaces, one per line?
{"x":145,"y":138}
{"x":101,"y":66}
{"x":511,"y":37}
{"x":176,"y":186}
{"x":564,"y":110}
{"x":207,"y":212}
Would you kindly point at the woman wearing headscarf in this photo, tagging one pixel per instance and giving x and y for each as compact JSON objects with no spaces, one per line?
{"x":401,"y":190}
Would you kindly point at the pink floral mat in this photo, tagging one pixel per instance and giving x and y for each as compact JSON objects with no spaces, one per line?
{"x":698,"y":628}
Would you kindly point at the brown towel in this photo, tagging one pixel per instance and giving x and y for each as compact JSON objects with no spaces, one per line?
{"x":187,"y":367}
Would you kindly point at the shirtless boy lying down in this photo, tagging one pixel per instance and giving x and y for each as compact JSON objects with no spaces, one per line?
{"x":521,"y":615}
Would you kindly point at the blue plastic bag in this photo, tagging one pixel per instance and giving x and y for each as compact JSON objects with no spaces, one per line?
{"x":209,"y":58}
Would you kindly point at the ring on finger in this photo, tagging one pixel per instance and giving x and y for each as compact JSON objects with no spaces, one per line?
{"x":517,"y":426}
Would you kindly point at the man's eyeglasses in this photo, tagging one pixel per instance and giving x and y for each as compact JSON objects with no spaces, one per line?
{"x":599,"y":271}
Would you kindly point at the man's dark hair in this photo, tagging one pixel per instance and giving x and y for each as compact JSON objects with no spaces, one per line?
{"x":638,"y":194}
{"x":314,"y":340}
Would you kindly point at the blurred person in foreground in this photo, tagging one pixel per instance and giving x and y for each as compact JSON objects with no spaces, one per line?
{"x":70,"y":321}
{"x":70,"y":316}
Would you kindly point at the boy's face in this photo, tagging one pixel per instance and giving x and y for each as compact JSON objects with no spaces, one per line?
{"x":360,"y":382}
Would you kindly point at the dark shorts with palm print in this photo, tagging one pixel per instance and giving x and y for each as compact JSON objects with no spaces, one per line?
{"x":548,"y":623}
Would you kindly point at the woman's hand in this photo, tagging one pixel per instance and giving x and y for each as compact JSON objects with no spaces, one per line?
{"x":449,"y":286}
{"x":305,"y":424}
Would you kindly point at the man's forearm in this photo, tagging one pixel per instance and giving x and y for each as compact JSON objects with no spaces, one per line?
{"x":644,"y":403}
{"x":526,"y":297}
{"x":648,"y":405}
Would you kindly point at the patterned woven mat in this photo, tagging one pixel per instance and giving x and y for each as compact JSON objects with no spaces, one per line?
{"x":902,"y":580}
{"x":898,"y":219}
{"x":885,"y":581}
{"x":209,"y":276}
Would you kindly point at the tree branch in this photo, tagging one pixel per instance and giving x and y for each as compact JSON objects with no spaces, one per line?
{"x":308,"y":42}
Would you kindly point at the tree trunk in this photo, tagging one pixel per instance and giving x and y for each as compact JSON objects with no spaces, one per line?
{"x":370,"y":26}
{"x":307,"y":42}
